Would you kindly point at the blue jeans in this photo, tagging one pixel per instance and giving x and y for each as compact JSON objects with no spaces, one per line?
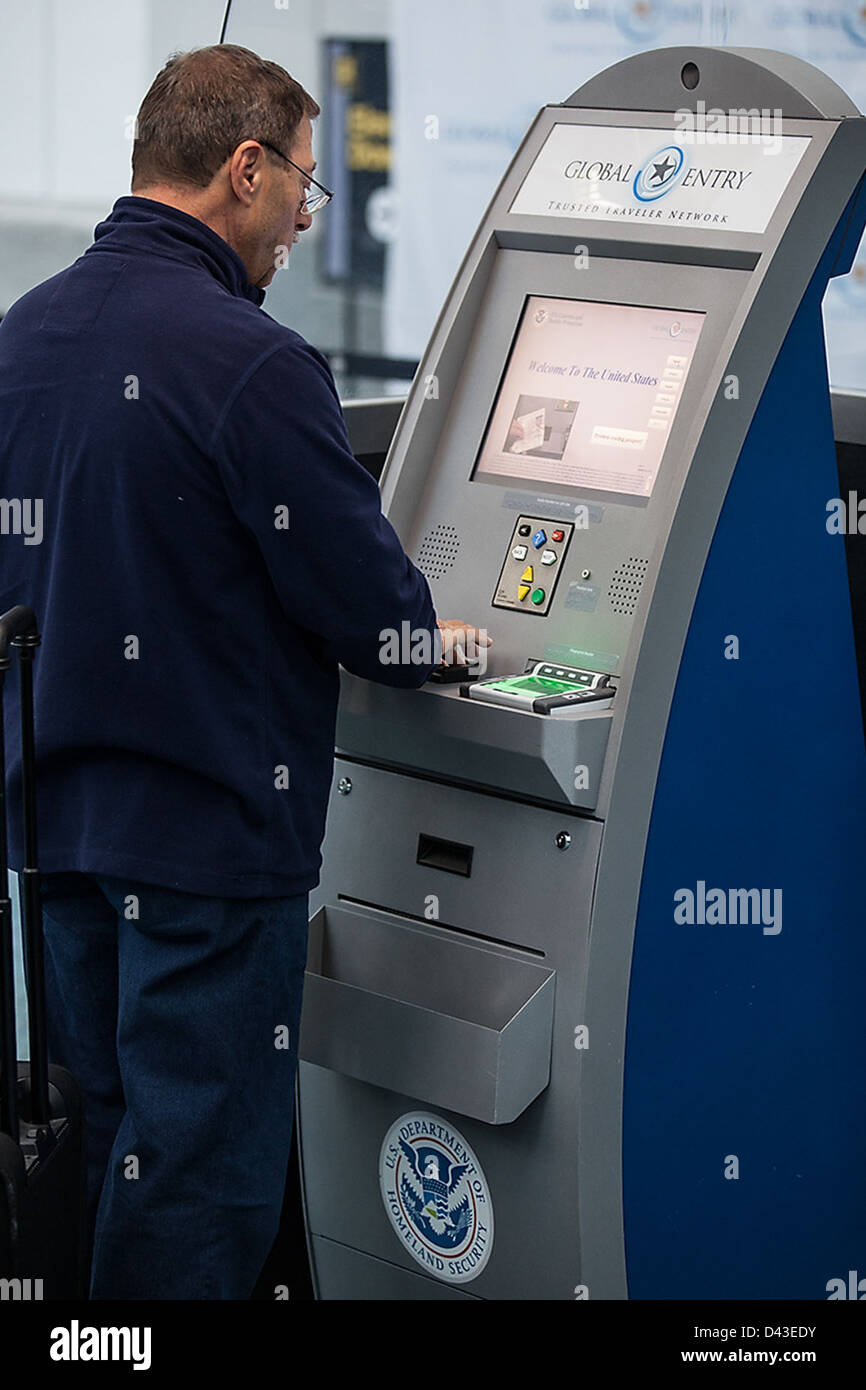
{"x":179,"y":1016}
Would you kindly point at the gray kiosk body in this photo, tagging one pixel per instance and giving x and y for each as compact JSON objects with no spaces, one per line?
{"x":541,"y":1033}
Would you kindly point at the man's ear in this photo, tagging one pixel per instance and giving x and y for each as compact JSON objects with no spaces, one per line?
{"x":246,"y":170}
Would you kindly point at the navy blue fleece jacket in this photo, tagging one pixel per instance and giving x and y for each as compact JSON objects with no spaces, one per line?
{"x":210,"y":550}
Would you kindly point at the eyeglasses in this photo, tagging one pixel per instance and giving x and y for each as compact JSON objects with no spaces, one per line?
{"x":313,"y":201}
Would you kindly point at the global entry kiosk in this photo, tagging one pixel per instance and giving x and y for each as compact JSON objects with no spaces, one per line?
{"x":583,"y":1002}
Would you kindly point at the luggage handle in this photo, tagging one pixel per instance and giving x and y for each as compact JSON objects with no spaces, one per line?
{"x":18,"y":622}
{"x":18,"y":628}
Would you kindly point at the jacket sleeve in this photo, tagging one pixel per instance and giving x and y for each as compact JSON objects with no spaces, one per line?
{"x":335,"y":561}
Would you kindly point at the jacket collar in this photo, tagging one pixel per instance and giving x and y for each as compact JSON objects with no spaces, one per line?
{"x":140,"y":224}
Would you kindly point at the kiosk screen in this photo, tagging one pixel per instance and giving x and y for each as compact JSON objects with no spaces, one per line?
{"x":589,"y":395}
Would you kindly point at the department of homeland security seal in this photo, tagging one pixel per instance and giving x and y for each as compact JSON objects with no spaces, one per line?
{"x":436,"y":1197}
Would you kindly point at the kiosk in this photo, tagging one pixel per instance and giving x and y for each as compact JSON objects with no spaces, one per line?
{"x":583,"y":1012}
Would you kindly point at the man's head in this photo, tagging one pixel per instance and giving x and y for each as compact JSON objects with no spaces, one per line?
{"x":202,"y":145}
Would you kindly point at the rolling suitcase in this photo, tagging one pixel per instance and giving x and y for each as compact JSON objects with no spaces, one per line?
{"x":42,"y":1164}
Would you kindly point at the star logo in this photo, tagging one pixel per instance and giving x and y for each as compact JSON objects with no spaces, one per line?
{"x":662,"y":171}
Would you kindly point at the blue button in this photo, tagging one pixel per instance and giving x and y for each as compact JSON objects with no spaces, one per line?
{"x":539,"y":539}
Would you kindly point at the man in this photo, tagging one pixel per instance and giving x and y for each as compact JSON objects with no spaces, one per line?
{"x":210,"y":552}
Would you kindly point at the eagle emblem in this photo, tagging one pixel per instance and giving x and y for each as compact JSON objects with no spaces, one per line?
{"x":436,"y":1197}
{"x":430,"y":1185}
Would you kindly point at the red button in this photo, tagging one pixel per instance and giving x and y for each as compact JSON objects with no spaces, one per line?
{"x":557,"y":535}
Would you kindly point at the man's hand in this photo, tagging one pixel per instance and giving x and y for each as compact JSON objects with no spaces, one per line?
{"x":460,"y":641}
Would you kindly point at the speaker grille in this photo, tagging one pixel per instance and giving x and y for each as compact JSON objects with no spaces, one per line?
{"x":438,"y":551}
{"x":626,"y":584}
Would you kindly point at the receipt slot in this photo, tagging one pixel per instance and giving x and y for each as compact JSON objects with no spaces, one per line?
{"x":583,"y":1013}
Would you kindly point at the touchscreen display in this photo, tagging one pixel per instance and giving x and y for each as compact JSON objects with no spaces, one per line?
{"x":589,"y":395}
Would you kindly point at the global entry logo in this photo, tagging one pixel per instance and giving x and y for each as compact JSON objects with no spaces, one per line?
{"x":662,"y":172}
{"x":436,"y":1197}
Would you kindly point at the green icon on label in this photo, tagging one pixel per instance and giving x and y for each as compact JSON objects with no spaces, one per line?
{"x":537,"y":596}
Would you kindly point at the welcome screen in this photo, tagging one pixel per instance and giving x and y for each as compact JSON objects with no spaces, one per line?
{"x":589,"y":395}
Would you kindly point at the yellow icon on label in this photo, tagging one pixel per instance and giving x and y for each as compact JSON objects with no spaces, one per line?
{"x":526,"y":577}
{"x":522,"y":591}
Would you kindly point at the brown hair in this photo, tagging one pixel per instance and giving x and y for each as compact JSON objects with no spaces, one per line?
{"x":207,"y":102}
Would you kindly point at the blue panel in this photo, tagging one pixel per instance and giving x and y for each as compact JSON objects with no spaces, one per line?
{"x":742,"y":1042}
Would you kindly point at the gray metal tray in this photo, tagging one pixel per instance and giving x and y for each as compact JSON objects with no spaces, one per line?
{"x":417,"y":1010}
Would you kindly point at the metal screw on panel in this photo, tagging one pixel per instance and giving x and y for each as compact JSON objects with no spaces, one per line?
{"x":584,"y":574}
{"x":344,"y":786}
{"x":563,"y":840}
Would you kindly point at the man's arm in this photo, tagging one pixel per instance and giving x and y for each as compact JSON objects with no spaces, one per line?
{"x":336,"y":562}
